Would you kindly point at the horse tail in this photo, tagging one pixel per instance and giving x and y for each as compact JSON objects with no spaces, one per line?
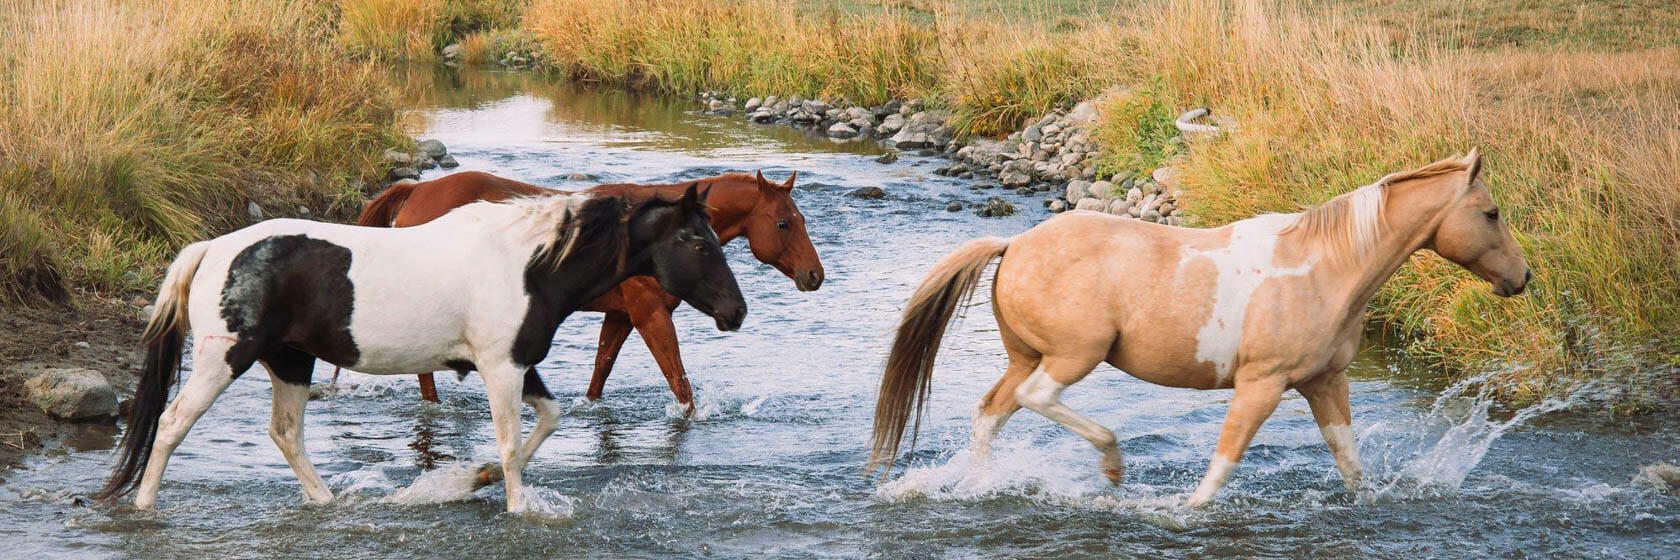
{"x":905,"y":385}
{"x":164,"y":336}
{"x":382,"y":210}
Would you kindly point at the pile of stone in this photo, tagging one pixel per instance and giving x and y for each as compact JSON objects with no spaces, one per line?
{"x":1053,"y":150}
{"x":453,"y":56}
{"x":1151,"y":198}
{"x":428,"y":154}
{"x":902,"y":125}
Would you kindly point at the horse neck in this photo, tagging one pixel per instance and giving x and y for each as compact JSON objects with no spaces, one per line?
{"x":1411,"y":210}
{"x":591,"y":269}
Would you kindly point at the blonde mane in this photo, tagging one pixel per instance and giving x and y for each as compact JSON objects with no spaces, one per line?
{"x":1350,"y":225}
{"x":540,"y":222}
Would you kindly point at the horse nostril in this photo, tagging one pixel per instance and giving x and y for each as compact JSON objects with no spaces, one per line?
{"x":1528,"y":275}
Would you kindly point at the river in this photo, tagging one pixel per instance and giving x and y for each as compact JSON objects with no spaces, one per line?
{"x":770,"y":466}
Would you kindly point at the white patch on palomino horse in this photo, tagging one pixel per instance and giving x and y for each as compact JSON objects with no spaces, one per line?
{"x":1219,"y":469}
{"x":1243,"y":264}
{"x":1339,"y":438}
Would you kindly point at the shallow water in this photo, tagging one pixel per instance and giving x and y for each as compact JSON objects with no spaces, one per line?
{"x":770,"y":465}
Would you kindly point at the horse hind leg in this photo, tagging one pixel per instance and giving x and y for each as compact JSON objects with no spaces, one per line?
{"x":211,"y":374}
{"x":289,"y":371}
{"x":1041,"y":391}
{"x":994,"y":409}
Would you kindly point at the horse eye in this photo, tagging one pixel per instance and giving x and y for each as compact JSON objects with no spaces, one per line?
{"x":782,"y":224}
{"x":1492,"y":215}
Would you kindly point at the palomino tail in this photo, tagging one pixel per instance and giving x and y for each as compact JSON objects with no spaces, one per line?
{"x":164,"y":336}
{"x":909,"y":373}
{"x":382,"y":210}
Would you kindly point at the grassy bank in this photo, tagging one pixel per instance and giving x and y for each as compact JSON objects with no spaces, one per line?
{"x":134,"y":128}
{"x":1578,"y":109}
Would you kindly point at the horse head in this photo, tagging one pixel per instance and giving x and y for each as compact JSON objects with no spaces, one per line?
{"x":775,"y":231}
{"x":1470,"y":233}
{"x":684,"y":256}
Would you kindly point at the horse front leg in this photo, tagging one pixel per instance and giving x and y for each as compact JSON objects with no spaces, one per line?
{"x":503,"y":384}
{"x":1254,"y":401}
{"x":548,"y":416}
{"x":1327,"y":395}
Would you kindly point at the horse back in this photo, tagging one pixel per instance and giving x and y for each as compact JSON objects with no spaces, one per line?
{"x":430,"y":200}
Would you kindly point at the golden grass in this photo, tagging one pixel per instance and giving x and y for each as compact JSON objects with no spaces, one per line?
{"x":134,"y":128}
{"x":416,"y":30}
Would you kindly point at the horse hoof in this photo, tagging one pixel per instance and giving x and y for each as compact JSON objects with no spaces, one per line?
{"x":1115,"y":474}
{"x":487,"y":475}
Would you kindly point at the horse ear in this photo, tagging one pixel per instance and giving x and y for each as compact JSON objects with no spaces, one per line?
{"x":692,"y":199}
{"x":788,"y":185}
{"x":1474,"y":162}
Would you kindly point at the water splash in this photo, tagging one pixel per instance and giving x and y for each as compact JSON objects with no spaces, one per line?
{"x":1433,"y":455}
{"x":453,"y":482}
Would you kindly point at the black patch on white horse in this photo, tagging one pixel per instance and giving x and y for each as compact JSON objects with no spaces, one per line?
{"x":290,"y":294}
{"x":600,"y":240}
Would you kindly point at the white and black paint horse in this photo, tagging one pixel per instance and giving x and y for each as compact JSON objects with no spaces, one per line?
{"x":483,"y":288}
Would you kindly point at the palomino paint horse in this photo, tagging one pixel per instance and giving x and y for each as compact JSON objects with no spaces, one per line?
{"x":1263,"y":305}
{"x":484,"y":289}
{"x":740,"y":205}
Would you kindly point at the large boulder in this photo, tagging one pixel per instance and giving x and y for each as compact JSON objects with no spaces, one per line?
{"x":74,"y":394}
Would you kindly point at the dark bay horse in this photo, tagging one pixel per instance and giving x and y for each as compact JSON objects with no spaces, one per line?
{"x":483,"y":289}
{"x":740,"y":205}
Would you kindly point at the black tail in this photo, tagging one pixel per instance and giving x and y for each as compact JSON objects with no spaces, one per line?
{"x":163,"y":361}
{"x":165,"y":334}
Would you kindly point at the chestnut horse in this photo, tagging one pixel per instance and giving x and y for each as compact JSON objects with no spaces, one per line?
{"x":740,"y":204}
{"x":1263,"y":305}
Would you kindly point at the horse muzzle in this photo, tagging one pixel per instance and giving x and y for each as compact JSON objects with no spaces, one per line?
{"x":1506,"y":288}
{"x":808,"y":280}
{"x":729,"y":321}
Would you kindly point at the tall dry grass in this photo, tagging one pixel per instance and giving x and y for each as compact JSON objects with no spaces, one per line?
{"x":416,"y":30}
{"x":133,"y":128}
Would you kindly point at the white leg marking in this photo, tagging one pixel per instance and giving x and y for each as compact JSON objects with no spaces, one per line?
{"x":286,"y":429}
{"x":503,"y":384}
{"x":985,"y":429}
{"x":1243,"y":265}
{"x":210,"y":377}
{"x":1219,"y":469}
{"x":1346,"y":451}
{"x":548,"y":418}
{"x":1043,"y":395}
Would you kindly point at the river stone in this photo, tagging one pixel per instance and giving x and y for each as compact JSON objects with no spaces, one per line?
{"x":432,"y":147}
{"x":1164,"y":176}
{"x":752,"y":104}
{"x":404,"y":172}
{"x":1119,"y":207}
{"x":1101,"y":189}
{"x":1135,"y":194}
{"x":841,"y":130}
{"x":580,"y":177}
{"x":1058,"y":206}
{"x":995,"y":207}
{"x":426,"y":162}
{"x":953,"y":207}
{"x":763,"y":116}
{"x":1089,"y":203}
{"x":1664,"y":477}
{"x":890,"y":157}
{"x":74,"y":394}
{"x":396,"y":158}
{"x":1032,"y":133}
{"x":868,"y":193}
{"x":452,"y":51}
{"x":448,"y":162}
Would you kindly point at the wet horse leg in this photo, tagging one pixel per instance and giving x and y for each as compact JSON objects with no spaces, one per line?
{"x":614,"y":330}
{"x":428,"y":387}
{"x":1041,"y":391}
{"x":1327,"y":395}
{"x":653,"y":321}
{"x":999,"y":404}
{"x":503,"y":383}
{"x":1254,"y":401}
{"x":211,"y":375}
{"x":289,"y":371}
{"x":548,"y":415}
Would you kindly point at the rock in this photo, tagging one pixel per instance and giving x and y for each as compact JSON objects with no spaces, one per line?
{"x":395,"y":158}
{"x":1032,"y":134}
{"x":1101,"y":189}
{"x":74,"y":394}
{"x":432,"y":148}
{"x":1023,"y":191}
{"x":753,"y":104}
{"x":868,"y":193}
{"x":953,"y":207}
{"x":1135,"y":194}
{"x":924,"y":152}
{"x":448,"y":162}
{"x":427,"y":163}
{"x":304,"y":211}
{"x":1664,"y":477}
{"x":841,"y":130}
{"x":1089,"y":203}
{"x":1119,"y":207}
{"x":1058,"y":206}
{"x":1083,"y":112}
{"x":1164,"y":176}
{"x":452,"y":52}
{"x":908,"y":139}
{"x":763,"y":116}
{"x":580,"y":177}
{"x":404,"y":172}
{"x":995,"y":207}
{"x":890,"y":157}
{"x":891,"y":125}
{"x":255,"y":211}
